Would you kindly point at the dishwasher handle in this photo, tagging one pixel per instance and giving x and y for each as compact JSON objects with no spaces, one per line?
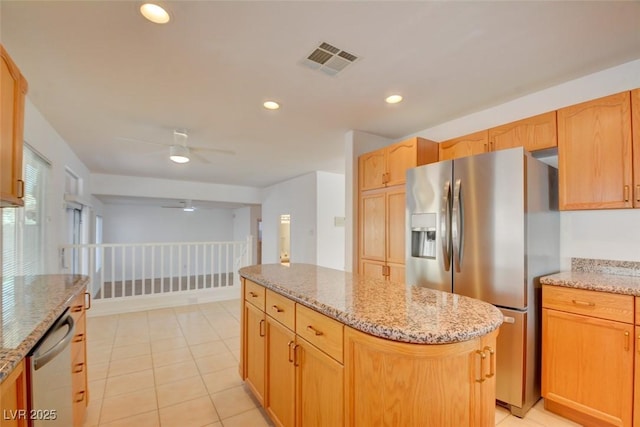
{"x":40,"y":361}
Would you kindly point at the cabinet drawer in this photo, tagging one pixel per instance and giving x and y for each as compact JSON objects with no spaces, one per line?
{"x":78,"y":307}
{"x":254,"y":293}
{"x":603,"y":305}
{"x":321,"y":331}
{"x":281,"y":308}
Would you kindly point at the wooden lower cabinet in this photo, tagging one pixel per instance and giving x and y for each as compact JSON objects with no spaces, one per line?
{"x":79,"y":378}
{"x":636,"y":382}
{"x":319,"y":387}
{"x":389,"y":383}
{"x":254,"y":347}
{"x":587,"y":368}
{"x":13,"y":398}
{"x":281,"y":374}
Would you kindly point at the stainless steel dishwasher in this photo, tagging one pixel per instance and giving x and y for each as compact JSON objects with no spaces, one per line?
{"x":49,"y":364}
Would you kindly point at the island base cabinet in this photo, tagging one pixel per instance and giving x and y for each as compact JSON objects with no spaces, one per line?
{"x":587,"y":364}
{"x":319,"y":387}
{"x":254,"y":344}
{"x":281,"y":374}
{"x":391,"y":383}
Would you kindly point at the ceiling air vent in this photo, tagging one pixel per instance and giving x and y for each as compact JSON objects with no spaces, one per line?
{"x":329,"y":59}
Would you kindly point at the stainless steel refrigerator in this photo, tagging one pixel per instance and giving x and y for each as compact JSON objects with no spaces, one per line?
{"x":487,"y":226}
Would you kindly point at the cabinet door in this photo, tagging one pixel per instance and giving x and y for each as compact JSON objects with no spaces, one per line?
{"x":396,"y":272}
{"x":255,"y":350}
{"x":635,"y":126}
{"x":13,"y":89}
{"x":400,"y":157}
{"x":280,"y":396}
{"x":371,"y":170}
{"x":373,"y":226}
{"x":587,"y":368}
{"x":636,"y":394}
{"x":13,"y":398}
{"x":373,"y":269}
{"x":468,"y":145}
{"x":594,"y":154}
{"x":319,"y":388}
{"x":395,"y":220}
{"x":533,"y":133}
{"x":484,"y":380}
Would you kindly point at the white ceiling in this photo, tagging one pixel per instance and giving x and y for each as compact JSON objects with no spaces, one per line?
{"x":103,"y":75}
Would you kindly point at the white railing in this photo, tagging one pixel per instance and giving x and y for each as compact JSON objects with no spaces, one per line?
{"x":146,"y":269}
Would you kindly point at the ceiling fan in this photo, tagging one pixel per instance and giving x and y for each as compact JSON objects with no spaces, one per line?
{"x":185,"y":205}
{"x":179,"y":151}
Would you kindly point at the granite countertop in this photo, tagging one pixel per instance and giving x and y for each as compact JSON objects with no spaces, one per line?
{"x":30,"y":305}
{"x":617,"y":284}
{"x":618,"y":277}
{"x":385,"y":309}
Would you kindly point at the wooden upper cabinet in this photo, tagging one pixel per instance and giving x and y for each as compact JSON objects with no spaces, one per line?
{"x":464,"y":146}
{"x":533,"y":133}
{"x":372,"y":169}
{"x":13,"y":88}
{"x":388,"y":166}
{"x":595,"y":154}
{"x":635,"y":127}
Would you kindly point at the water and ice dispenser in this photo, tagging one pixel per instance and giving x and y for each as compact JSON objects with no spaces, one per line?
{"x":423,"y":235}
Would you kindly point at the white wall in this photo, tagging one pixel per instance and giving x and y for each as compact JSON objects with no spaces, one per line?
{"x":41,"y":136}
{"x":245,"y":223}
{"x":121,"y":185}
{"x":356,"y":143}
{"x":296,"y":197}
{"x":149,"y":224}
{"x":330,"y":205}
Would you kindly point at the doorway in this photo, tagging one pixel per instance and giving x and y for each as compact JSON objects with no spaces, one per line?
{"x":285,"y":239}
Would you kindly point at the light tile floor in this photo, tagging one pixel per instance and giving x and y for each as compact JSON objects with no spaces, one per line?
{"x":179,"y":367}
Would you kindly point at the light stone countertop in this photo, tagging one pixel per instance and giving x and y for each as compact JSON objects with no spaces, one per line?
{"x":593,"y":281}
{"x":384,"y":309}
{"x":30,"y":305}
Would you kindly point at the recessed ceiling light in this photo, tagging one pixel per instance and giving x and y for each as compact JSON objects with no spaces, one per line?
{"x":393,"y":99}
{"x":271,"y":105}
{"x":154,"y":13}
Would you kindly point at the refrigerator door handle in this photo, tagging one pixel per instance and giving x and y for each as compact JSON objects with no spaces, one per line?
{"x":445,"y":222}
{"x":457,"y":226}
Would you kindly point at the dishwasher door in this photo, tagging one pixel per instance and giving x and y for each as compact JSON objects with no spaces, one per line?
{"x":50,"y":376}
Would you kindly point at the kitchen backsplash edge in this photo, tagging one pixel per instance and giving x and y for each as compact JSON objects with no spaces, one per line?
{"x":606,"y":266}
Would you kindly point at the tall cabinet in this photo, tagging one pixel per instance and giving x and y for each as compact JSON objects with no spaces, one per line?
{"x":381,"y":207}
{"x":13,"y":88}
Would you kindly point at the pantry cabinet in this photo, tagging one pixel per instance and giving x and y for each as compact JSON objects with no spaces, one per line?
{"x":588,"y":355}
{"x":13,"y":88}
{"x":533,"y":133}
{"x":463,"y":146}
{"x":595,"y":157}
{"x":635,"y":137}
{"x":381,"y":207}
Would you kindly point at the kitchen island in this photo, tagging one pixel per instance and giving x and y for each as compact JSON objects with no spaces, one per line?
{"x":327,"y":347}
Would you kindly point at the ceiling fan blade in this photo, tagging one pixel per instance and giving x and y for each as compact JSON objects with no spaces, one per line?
{"x":214,"y":150}
{"x":200,"y":158}
{"x":125,"y":139}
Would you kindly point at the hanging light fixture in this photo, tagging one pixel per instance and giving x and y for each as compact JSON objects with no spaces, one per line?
{"x":179,"y":153}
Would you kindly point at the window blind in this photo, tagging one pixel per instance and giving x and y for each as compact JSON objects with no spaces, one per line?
{"x":23,"y":229}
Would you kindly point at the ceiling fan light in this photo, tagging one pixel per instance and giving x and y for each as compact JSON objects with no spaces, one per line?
{"x":155,"y":13}
{"x":179,"y":154}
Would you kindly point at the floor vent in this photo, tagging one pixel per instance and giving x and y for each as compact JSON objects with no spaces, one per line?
{"x":329,"y":59}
